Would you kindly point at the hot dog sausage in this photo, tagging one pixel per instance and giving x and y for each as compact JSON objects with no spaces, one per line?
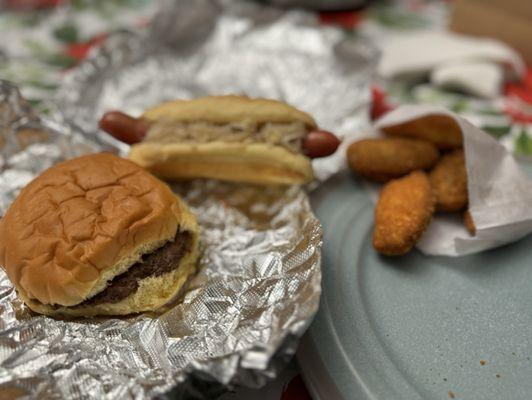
{"x":320,"y":144}
{"x":124,"y":127}
{"x":131,"y":130}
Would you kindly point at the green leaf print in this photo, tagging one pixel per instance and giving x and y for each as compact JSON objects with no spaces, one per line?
{"x":523,"y":144}
{"x":42,"y":107}
{"x":61,"y":60}
{"x":460,"y":106}
{"x":108,"y":6}
{"x":42,"y":85}
{"x":37,"y":49}
{"x":394,"y":17}
{"x":497,"y":131}
{"x":66,"y":33}
{"x":48,"y":57}
{"x":491,"y":112}
{"x":79,"y":4}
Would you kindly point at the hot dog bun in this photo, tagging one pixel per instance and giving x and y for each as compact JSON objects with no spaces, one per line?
{"x":88,"y":220}
{"x":232,"y":160}
{"x":227,"y":109}
{"x":252,"y":163}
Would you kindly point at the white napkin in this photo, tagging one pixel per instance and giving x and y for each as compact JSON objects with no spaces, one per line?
{"x":415,"y":55}
{"x":479,"y":78}
{"x":500,"y":193}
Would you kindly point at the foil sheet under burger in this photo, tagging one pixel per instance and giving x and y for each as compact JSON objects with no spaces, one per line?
{"x":258,"y":287}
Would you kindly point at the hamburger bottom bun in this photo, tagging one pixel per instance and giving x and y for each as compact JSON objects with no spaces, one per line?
{"x":257,"y":163}
{"x":153,"y":292}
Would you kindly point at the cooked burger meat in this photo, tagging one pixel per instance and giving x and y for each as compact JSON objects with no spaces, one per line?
{"x":161,"y":261}
{"x":288,"y":135}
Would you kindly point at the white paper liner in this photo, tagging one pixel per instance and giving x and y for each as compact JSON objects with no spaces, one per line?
{"x":500,"y":192}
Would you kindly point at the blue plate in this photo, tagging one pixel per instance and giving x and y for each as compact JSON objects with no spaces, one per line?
{"x":414,"y":327}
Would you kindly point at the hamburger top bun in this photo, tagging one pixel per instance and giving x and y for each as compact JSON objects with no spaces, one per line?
{"x":228,"y":109}
{"x":82,"y":222}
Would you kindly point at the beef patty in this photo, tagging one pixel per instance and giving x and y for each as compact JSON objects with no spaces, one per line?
{"x":161,"y":261}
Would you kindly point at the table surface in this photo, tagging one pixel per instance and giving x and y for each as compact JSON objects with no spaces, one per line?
{"x":44,"y":39}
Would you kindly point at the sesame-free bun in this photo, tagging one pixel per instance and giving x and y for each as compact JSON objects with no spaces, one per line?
{"x":153,"y":293}
{"x":228,"y":109}
{"x":84,"y":221}
{"x":238,"y":162}
{"x":259,"y":163}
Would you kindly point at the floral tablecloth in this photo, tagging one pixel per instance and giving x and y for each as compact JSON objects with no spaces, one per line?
{"x":42,"y":40}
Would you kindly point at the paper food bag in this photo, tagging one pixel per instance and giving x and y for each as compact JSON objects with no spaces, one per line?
{"x":500,"y":192}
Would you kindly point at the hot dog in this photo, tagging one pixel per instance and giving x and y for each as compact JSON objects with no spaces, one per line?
{"x":130,"y":130}
{"x":232,"y":138}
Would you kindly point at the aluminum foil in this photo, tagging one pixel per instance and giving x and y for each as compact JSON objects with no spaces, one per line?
{"x":257,"y":291}
{"x":202,"y":47}
{"x":258,"y":287}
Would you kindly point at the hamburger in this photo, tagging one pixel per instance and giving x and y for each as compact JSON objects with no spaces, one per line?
{"x":97,"y":235}
{"x":231,"y":138}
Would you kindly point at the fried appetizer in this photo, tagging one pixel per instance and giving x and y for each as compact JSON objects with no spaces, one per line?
{"x":403,"y":212}
{"x":388,"y":158}
{"x":444,"y":132}
{"x":469,"y":224}
{"x":449,"y":182}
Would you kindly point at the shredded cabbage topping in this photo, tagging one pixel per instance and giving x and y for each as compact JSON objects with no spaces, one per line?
{"x":288,"y":135}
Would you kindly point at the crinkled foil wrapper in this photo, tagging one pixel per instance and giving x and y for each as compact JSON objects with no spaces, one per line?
{"x":258,"y":286}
